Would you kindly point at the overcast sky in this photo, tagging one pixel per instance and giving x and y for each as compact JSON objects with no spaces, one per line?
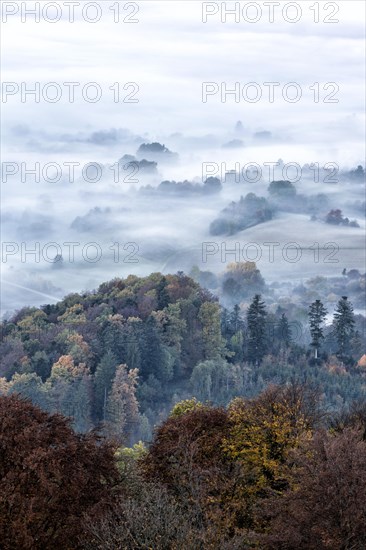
{"x":170,"y":52}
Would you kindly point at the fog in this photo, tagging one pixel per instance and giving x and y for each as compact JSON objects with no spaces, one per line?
{"x":169,"y":53}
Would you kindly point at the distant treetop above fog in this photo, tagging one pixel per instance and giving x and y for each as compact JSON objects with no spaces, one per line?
{"x":239,"y":127}
{"x":282,"y":188}
{"x":247,"y":212}
{"x":357,"y":175}
{"x":152,"y":150}
{"x":129,"y":161}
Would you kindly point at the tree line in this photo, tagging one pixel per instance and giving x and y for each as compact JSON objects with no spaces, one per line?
{"x":342,"y":328}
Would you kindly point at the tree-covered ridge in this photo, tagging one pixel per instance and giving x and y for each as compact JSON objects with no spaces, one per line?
{"x":122,"y":356}
{"x":66,"y":356}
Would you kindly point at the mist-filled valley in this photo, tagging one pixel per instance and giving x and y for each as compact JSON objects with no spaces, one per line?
{"x":69,"y":228}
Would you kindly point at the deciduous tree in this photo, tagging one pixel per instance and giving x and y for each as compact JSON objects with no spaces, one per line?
{"x":122,"y":405}
{"x":326,"y":507}
{"x":49,"y":478}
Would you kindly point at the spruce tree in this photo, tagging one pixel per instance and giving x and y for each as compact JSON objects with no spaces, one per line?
{"x":103,"y":379}
{"x":256,"y":323}
{"x":225,"y":323}
{"x":343,"y":324}
{"x":317,"y":314}
{"x":151,"y":349}
{"x":163,"y":295}
{"x":236,"y":323}
{"x":283,"y":331}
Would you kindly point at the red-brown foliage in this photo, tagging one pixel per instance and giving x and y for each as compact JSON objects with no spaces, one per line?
{"x":326,"y":509}
{"x":190,"y":442}
{"x":49,"y":478}
{"x":187,"y":457}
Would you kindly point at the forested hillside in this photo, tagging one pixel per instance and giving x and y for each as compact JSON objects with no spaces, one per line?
{"x":120,"y":357}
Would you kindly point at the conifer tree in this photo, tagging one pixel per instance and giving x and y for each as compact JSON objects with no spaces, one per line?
{"x":163,"y":295}
{"x":256,"y":323}
{"x":343,"y":323}
{"x":317,"y":314}
{"x":103,"y":379}
{"x":235,"y":320}
{"x":284,"y":331}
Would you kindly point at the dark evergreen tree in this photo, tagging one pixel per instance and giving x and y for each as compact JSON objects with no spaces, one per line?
{"x":225,"y":323}
{"x":235,"y":335}
{"x":103,"y":379}
{"x":163,"y":295}
{"x":317,"y":314}
{"x":151,"y":349}
{"x":235,"y":320}
{"x":256,"y":323}
{"x":343,"y":326}
{"x":283,"y":332}
{"x":113,"y":339}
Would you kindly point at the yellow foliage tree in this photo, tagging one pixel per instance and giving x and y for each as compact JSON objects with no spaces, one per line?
{"x":187,"y":405}
{"x":263,"y":432}
{"x":74,"y":315}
